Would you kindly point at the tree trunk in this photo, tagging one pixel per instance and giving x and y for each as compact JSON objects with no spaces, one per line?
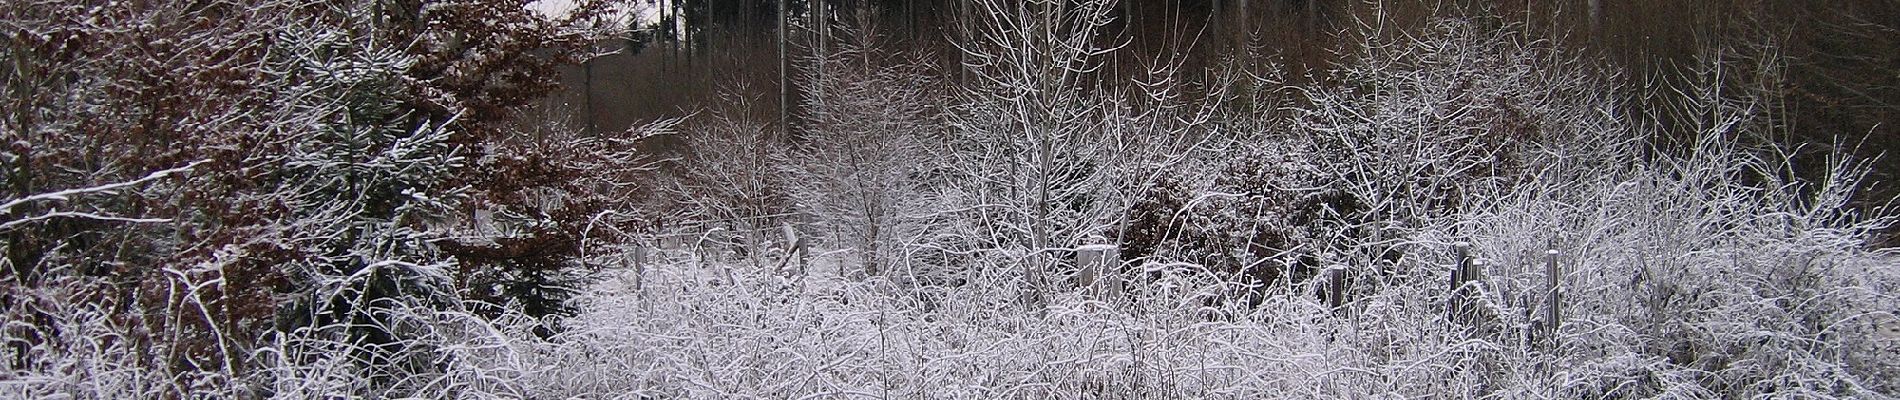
{"x":1312,"y":13}
{"x":1242,"y":25}
{"x":784,"y":85}
{"x":1222,"y":29}
{"x":587,"y":91}
{"x":823,"y":20}
{"x":1595,"y":10}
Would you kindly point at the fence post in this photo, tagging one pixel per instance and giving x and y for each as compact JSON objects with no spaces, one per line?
{"x":639,"y":268}
{"x":803,"y":245}
{"x":1087,"y":266}
{"x":1336,"y":286}
{"x":804,"y":254}
{"x":1473,"y":295}
{"x":1454,"y":303}
{"x":1097,"y":269}
{"x":1553,"y":297}
{"x":1474,"y":274}
{"x":1467,"y":281}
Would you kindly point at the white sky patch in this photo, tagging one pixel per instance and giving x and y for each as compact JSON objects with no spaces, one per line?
{"x":643,"y":12}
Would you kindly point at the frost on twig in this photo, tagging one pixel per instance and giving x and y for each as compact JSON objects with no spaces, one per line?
{"x":64,"y":196}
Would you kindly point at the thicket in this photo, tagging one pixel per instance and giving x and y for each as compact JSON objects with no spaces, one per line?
{"x":293,"y":200}
{"x":1296,"y":239}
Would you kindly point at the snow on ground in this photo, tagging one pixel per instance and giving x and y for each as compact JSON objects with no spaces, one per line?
{"x":687,"y":332}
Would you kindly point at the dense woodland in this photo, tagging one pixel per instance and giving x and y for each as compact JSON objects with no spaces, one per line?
{"x":1825,"y":62}
{"x":948,"y":199}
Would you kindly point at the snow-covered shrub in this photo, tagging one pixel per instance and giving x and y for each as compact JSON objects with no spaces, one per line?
{"x":1262,"y":217}
{"x":1043,"y":154}
{"x":549,"y":199}
{"x":1416,"y":125}
{"x":304,"y":238}
{"x":1708,"y":272}
{"x":1716,"y":270}
{"x":127,"y":125}
{"x":1398,"y":136}
{"x":1713,"y":272}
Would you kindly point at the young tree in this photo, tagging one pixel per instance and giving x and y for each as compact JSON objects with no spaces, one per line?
{"x":862,"y":162}
{"x":1023,"y":133}
{"x":550,"y":194}
{"x":1046,"y":148}
{"x":730,"y":175}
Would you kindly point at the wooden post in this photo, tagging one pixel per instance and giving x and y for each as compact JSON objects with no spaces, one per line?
{"x":639,"y":268}
{"x":1472,"y":294}
{"x":1242,"y":33}
{"x":1085,"y":271}
{"x":790,"y":245}
{"x":1336,"y":286}
{"x":1460,"y":274}
{"x":1312,"y":12}
{"x":1474,"y":275}
{"x":803,"y":246}
{"x":784,"y":84}
{"x":1553,"y":297}
{"x":1095,"y":269}
{"x":1461,"y":256}
{"x":1112,"y":271}
{"x":1595,"y":10}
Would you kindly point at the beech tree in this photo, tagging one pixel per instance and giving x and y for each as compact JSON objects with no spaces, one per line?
{"x":213,"y":179}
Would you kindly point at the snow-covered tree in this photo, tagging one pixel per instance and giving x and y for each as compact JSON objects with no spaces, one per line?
{"x":730,"y":176}
{"x":864,"y":159}
{"x":310,"y":152}
{"x":1026,"y":134}
{"x":1047,"y":151}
